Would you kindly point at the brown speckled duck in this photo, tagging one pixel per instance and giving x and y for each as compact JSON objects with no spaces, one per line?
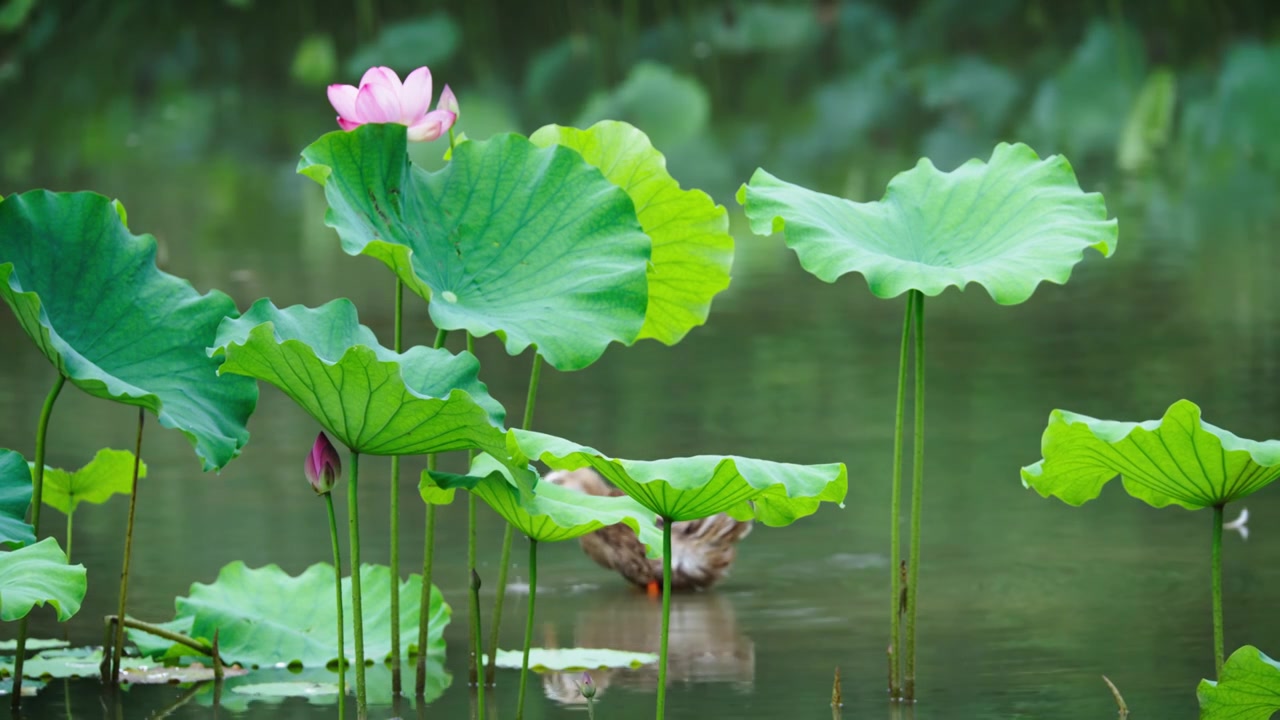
{"x":701,"y":550}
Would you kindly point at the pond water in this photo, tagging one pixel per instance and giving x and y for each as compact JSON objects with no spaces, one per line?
{"x":1024,"y":602}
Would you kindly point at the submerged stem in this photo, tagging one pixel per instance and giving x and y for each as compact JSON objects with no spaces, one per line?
{"x":395,"y":517}
{"x":474,"y":595}
{"x":37,"y":500}
{"x":428,"y":545}
{"x":528,"y":625}
{"x":917,"y":495}
{"x":337,"y":588}
{"x":118,"y":646}
{"x":357,"y":618}
{"x":895,"y":509}
{"x":1218,"y":649}
{"x":666,"y":617}
{"x":474,"y":651}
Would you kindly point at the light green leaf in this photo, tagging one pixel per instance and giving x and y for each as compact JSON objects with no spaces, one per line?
{"x":69,"y":663}
{"x":531,"y":243}
{"x":1007,"y":224}
{"x":294,"y":688}
{"x":672,"y":108}
{"x":692,"y":247}
{"x":267,"y":617}
{"x":89,"y":294}
{"x":555,"y":513}
{"x":15,"y":499}
{"x":39,"y":574}
{"x":561,"y":659}
{"x":1177,"y":460}
{"x":408,"y":44}
{"x":320,"y":686}
{"x":109,"y":473}
{"x":157,"y":647}
{"x":698,"y":487}
{"x":1150,"y":121}
{"x":368,"y":397}
{"x":1247,"y":689}
{"x":33,"y":645}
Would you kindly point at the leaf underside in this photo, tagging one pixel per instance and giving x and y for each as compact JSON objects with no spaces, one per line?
{"x":39,"y":574}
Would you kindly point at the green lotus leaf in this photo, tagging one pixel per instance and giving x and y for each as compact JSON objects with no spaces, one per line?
{"x":30,"y":688}
{"x":157,"y":647}
{"x":267,"y":617}
{"x":692,"y":247}
{"x":1248,"y":688}
{"x":1007,"y":224}
{"x":370,"y":398}
{"x":33,"y":645}
{"x":15,"y":498}
{"x":289,"y":688}
{"x":697,"y":487}
{"x":89,"y":293}
{"x":555,"y":513}
{"x":561,"y":659}
{"x":159,"y":674}
{"x":39,"y":574}
{"x":531,"y":243}
{"x":1177,"y":460}
{"x":320,"y":686}
{"x":109,"y":473}
{"x":70,"y":663}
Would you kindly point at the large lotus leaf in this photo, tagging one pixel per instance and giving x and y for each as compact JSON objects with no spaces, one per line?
{"x":1248,"y":688}
{"x":562,"y":659}
{"x":70,"y":663}
{"x":109,"y":473}
{"x":1007,"y":224}
{"x":555,"y":513}
{"x":15,"y":498}
{"x":374,"y":400}
{"x":1177,"y":460}
{"x":696,"y":487}
{"x":532,"y":243}
{"x":267,"y":617}
{"x":39,"y":574}
{"x":89,"y":293}
{"x":692,"y":247}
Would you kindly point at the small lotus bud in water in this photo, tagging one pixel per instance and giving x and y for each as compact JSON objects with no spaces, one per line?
{"x":323,"y":466}
{"x":587,"y":688}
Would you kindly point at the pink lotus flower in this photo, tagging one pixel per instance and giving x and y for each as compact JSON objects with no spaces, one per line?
{"x":381,"y":98}
{"x":323,"y":466}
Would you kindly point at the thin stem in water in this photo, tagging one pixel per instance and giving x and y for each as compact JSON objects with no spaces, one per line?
{"x":473,"y":664}
{"x":357,"y":612}
{"x":395,"y":518}
{"x":118,"y":646}
{"x":71,"y":511}
{"x":37,"y":500}
{"x":474,"y":598}
{"x":1218,"y":643}
{"x":528,"y":625}
{"x":428,"y":552}
{"x":895,"y":510}
{"x":666,"y":617}
{"x":917,"y":495}
{"x":337,"y":588}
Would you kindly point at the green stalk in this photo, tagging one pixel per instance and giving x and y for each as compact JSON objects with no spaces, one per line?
{"x":337,"y":587}
{"x":528,"y":626}
{"x":428,"y":546}
{"x":118,"y":646}
{"x":917,"y":487}
{"x":1218,"y":644}
{"x":895,"y":505}
{"x":71,"y":511}
{"x":505,"y":562}
{"x":473,"y":597}
{"x":666,"y":616}
{"x":37,"y":500}
{"x":395,"y":518}
{"x":353,"y":526}
{"x":473,"y":665}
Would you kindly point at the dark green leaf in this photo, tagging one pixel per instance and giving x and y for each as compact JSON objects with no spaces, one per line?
{"x":15,"y":499}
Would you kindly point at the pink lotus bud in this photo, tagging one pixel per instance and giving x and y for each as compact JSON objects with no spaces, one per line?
{"x":323,"y":466}
{"x":382,"y":98}
{"x":587,"y":688}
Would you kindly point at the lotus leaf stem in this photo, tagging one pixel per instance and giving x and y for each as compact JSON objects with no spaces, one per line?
{"x":666,"y":616}
{"x":528,"y":626}
{"x":395,"y":517}
{"x":337,"y":588}
{"x":473,"y":598}
{"x":117,"y":649}
{"x":1218,"y":649}
{"x":37,"y":499}
{"x":895,"y":507}
{"x":917,"y":496}
{"x":428,"y":545}
{"x":505,"y":562}
{"x":357,"y":620}
{"x":473,"y":664}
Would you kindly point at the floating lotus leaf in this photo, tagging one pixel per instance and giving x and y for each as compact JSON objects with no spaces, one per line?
{"x":320,"y":686}
{"x":70,"y":663}
{"x":555,"y":513}
{"x":692,"y":247}
{"x":15,"y":498}
{"x":39,"y":574}
{"x":531,"y":243}
{"x":30,"y":688}
{"x":267,"y":617}
{"x":1007,"y":224}
{"x":561,"y":659}
{"x":89,"y":293}
{"x":159,"y":674}
{"x":33,"y":645}
{"x":372,"y":399}
{"x":109,"y":473}
{"x":288,"y":689}
{"x":1248,"y":688}
{"x":157,"y":647}
{"x":1177,"y":460}
{"x":698,"y":487}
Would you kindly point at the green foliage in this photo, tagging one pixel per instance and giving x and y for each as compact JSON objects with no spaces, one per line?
{"x":531,"y":243}
{"x":1177,"y":460}
{"x":1007,"y":224}
{"x":696,"y":487}
{"x":409,"y":44}
{"x":1248,"y":688}
{"x":1150,"y":123}
{"x":109,"y":473}
{"x":59,"y":664}
{"x":89,"y":294}
{"x":15,"y":499}
{"x":671,"y":108}
{"x":316,"y":61}
{"x":692,"y":247}
{"x":562,"y":659}
{"x":39,"y":574}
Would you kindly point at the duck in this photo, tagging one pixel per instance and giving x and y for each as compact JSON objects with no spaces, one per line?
{"x":701,"y":550}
